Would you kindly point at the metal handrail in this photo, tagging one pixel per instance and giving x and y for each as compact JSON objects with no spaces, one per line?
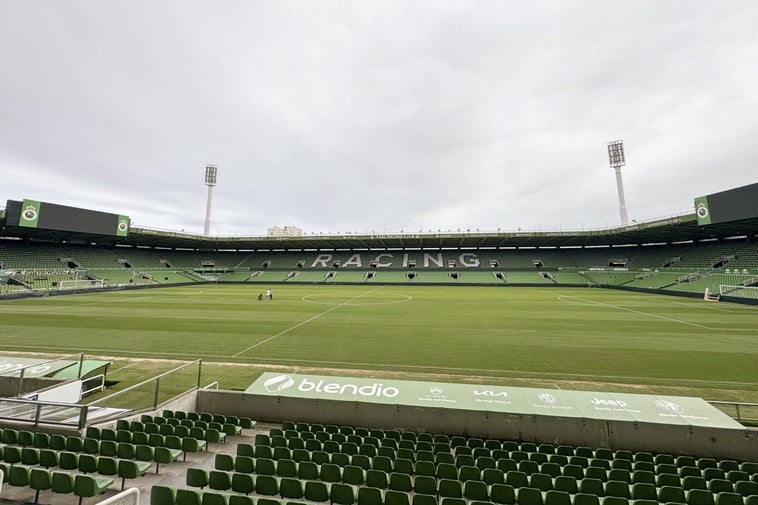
{"x":736,"y":406}
{"x":157,"y":380}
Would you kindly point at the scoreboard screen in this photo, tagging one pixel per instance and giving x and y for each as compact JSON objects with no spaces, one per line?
{"x":731,"y":205}
{"x":51,"y":216}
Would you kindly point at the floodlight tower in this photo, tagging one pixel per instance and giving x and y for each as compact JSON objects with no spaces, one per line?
{"x":210,"y":181}
{"x":616,"y":160}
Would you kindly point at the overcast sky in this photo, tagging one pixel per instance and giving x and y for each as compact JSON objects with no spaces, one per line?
{"x":377,"y":116}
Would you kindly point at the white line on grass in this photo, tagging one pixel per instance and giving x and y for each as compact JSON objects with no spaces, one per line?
{"x":666,"y":318}
{"x":518,"y":373}
{"x":306,"y":321}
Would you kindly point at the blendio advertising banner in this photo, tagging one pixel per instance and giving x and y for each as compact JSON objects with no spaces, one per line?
{"x":550,"y":402}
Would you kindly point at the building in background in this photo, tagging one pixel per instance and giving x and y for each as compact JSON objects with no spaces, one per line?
{"x":287,"y":231}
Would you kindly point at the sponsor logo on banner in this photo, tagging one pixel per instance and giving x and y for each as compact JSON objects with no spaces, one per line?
{"x":669,"y":406}
{"x":436,"y":395}
{"x":278,"y":383}
{"x":547,"y":398}
{"x":335,"y":388}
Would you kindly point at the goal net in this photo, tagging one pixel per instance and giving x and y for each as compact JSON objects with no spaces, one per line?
{"x":80,"y":284}
{"x":739,"y":291}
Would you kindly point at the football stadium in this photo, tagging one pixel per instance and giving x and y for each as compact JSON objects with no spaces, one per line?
{"x":597,"y":367}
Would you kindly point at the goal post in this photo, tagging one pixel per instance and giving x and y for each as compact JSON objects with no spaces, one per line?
{"x":80,"y":284}
{"x":750,"y":292}
{"x":710,"y":297}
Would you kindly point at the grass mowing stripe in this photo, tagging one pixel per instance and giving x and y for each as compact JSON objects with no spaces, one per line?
{"x":305,"y":322}
{"x":499,"y":334}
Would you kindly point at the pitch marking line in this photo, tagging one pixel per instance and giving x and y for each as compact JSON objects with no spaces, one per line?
{"x":666,"y":318}
{"x":346,"y":302}
{"x":517,"y":373}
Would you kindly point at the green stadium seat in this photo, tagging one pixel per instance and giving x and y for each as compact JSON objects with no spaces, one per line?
{"x":353,"y":475}
{"x":342,"y":494}
{"x":243,"y":464}
{"x":502,"y":494}
{"x":57,"y":442}
{"x":188,"y":497}
{"x":466,"y":473}
{"x":62,"y":482}
{"x":425,"y":484}
{"x":668,"y":479}
{"x":48,"y":458}
{"x":574,"y":471}
{"x":87,"y":463}
{"x":726,"y":498}
{"x":196,"y":477}
{"x":396,"y":498}
{"x":566,"y":484}
{"x":377,"y":479}
{"x":109,"y":448}
{"x":128,"y":469}
{"x":162,"y":455}
{"x":476,"y":490}
{"x":243,"y":483}
{"x":424,"y":499}
{"x":591,"y":486}
{"x":240,"y":500}
{"x":528,"y":496}
{"x":699,"y":497}
{"x":585,"y":499}
{"x":68,"y":460}
{"x":318,"y":491}
{"x":643,"y":477}
{"x":493,"y":476}
{"x":554,"y":497}
{"x":219,"y":480}
{"x":671,"y":494}
{"x":224,"y":462}
{"x":330,"y":473}
{"x":541,"y":481}
{"x":266,"y":485}
{"x":716,"y":486}
{"x":39,"y":480}
{"x":211,"y":498}
{"x":286,"y":468}
{"x":617,"y":488}
{"x":400,"y":482}
{"x":86,"y":486}
{"x":737,"y":475}
{"x":12,"y":454}
{"x":596,"y":472}
{"x":449,"y":488}
{"x":308,"y":470}
{"x":517,"y":479}
{"x":265,"y":466}
{"x":29,"y":456}
{"x":42,"y":441}
{"x":107,"y":466}
{"x":619,"y":474}
{"x":291,"y":489}
{"x":19,"y":476}
{"x":746,"y":487}
{"x":368,"y":496}
{"x":644,"y":491}
{"x":692,"y":482}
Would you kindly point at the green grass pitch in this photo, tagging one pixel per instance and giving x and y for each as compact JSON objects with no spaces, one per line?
{"x":571,"y":338}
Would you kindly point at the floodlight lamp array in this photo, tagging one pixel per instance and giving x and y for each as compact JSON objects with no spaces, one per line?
{"x":210,"y":175}
{"x":616,"y":153}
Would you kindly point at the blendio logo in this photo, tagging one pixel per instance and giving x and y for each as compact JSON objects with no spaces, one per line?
{"x":375,"y":389}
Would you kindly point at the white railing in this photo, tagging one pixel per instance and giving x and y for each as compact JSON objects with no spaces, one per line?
{"x":126,"y":497}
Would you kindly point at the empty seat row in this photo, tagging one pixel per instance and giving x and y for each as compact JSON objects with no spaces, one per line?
{"x":242,"y":422}
{"x":40,"y":479}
